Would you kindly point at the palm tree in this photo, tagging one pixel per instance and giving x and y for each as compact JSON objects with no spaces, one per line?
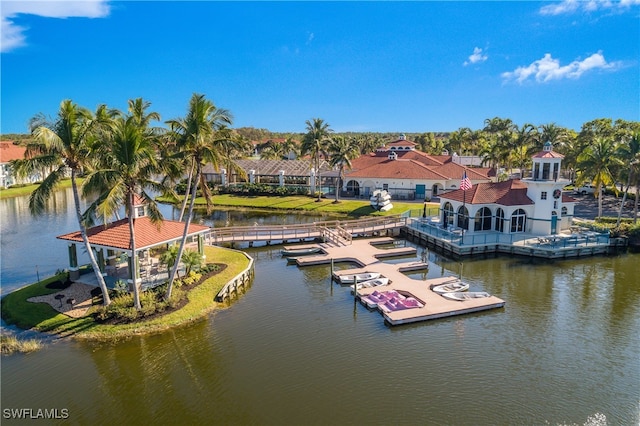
{"x":524,"y":146}
{"x":63,"y":145}
{"x":341,"y":151}
{"x":629,"y":152}
{"x":501,"y":132}
{"x":200,"y":137}
{"x":596,"y":161}
{"x":191,"y":259}
{"x":291,"y":146}
{"x":314,"y":143}
{"x":272,"y":151}
{"x":128,"y":166}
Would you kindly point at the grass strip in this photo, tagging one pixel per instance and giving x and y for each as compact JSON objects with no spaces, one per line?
{"x":301,"y":203}
{"x":19,"y":191}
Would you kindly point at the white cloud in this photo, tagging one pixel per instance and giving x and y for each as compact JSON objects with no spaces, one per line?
{"x":572,"y":6}
{"x":476,"y":57}
{"x":547,"y":69}
{"x":310,"y":38}
{"x":12,"y":35}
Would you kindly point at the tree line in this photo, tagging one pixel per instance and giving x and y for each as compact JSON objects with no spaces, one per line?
{"x":124,"y":156}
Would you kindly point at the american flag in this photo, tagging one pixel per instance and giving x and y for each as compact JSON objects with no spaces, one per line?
{"x":465,"y":183}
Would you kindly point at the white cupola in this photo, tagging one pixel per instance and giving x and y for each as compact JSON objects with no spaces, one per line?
{"x":546,"y":164}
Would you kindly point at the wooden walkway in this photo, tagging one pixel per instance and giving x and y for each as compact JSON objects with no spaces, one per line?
{"x":365,"y":253}
{"x":340,"y":232}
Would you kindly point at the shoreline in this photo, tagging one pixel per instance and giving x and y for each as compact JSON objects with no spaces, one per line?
{"x":45,"y":320}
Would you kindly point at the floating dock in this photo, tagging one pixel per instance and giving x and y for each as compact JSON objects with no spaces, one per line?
{"x":366,"y":254}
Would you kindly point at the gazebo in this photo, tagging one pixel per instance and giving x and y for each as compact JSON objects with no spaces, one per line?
{"x":111,"y":244}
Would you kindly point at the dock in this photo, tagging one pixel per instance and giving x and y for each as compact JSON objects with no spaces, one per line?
{"x":367,"y":254}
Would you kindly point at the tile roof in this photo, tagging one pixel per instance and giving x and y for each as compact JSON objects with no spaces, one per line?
{"x":402,"y":142}
{"x":148,"y":234}
{"x":9,"y":151}
{"x":272,"y":167}
{"x":508,"y":193}
{"x":398,"y":169}
{"x":411,"y":165}
{"x":548,"y":154}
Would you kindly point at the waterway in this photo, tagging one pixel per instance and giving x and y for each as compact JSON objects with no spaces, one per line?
{"x":296,"y":349}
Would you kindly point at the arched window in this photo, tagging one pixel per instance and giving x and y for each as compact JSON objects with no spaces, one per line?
{"x":353,"y":186}
{"x":518,"y":221}
{"x":499,"y":220}
{"x":447,"y":215}
{"x":483,"y":220}
{"x":463,"y":217}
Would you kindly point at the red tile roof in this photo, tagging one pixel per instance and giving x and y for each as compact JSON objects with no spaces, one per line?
{"x":508,"y":193}
{"x":411,"y":165}
{"x":148,"y":234}
{"x":402,"y":142}
{"x":548,"y":154}
{"x":9,"y":151}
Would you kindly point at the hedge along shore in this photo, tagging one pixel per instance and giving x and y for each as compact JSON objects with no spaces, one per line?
{"x":42,"y":317}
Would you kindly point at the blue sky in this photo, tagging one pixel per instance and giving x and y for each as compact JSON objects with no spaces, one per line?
{"x":374,"y":66}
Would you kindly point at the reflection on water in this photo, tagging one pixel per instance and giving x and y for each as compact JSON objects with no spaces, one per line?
{"x":295,"y":349}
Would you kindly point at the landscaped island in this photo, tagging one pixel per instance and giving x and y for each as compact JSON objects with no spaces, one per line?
{"x":198,"y":301}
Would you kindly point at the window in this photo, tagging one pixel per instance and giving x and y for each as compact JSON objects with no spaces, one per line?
{"x":463,"y":218}
{"x":518,"y":221}
{"x":499,"y":220}
{"x":546,"y":167}
{"x":555,"y":204}
{"x":564,"y":211}
{"x":447,"y":215}
{"x":483,"y":220}
{"x":385,"y":186}
{"x":543,"y":195}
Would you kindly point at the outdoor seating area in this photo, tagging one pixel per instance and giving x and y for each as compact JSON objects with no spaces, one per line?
{"x":564,"y":240}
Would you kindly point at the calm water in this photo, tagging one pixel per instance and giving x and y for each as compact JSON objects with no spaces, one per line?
{"x":296,"y":349}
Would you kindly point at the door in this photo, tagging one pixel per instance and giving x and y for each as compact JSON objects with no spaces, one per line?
{"x":420,"y":192}
{"x":554,"y":223}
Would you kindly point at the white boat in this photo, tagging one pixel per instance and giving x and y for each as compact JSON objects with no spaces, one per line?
{"x":462,"y":296}
{"x":451,"y":287}
{"x":301,"y":251}
{"x":371,"y":283}
{"x":381,"y":200}
{"x":361,"y":277}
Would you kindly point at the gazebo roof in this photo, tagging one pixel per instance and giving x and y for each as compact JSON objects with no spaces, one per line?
{"x":116,"y":235}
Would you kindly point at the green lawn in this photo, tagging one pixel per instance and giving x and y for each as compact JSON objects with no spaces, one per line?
{"x":42,"y":317}
{"x":28,"y":189}
{"x":302,"y":203}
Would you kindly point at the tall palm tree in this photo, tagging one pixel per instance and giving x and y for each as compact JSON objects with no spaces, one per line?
{"x":314,"y":143}
{"x":596,"y":161}
{"x":201,"y":137}
{"x":272,"y":151}
{"x":63,"y":145}
{"x":524,"y":146}
{"x":501,"y":132}
{"x":341,"y":151}
{"x":291,"y":148}
{"x":629,"y":152}
{"x":128,"y":166}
